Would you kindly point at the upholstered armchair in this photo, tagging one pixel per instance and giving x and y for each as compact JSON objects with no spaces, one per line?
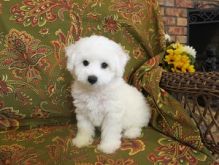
{"x":37,"y":120}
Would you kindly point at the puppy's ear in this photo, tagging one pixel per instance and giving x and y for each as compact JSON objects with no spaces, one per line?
{"x":123,"y":58}
{"x":70,"y":57}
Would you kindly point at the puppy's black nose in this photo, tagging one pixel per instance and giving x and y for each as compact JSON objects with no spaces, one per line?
{"x":92,"y":79}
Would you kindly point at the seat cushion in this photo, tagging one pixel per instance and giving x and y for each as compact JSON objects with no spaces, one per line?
{"x":52,"y":145}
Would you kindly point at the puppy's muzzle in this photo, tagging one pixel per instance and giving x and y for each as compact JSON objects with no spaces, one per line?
{"x":92,"y":79}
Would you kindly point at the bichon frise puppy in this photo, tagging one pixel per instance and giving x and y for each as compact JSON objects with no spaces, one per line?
{"x":101,"y":97}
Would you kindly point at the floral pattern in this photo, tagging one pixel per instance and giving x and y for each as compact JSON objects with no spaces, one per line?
{"x":52,"y":145}
{"x":138,"y":53}
{"x":111,"y":24}
{"x":34,"y":135}
{"x":60,"y":148}
{"x":9,"y":117}
{"x":135,"y":146}
{"x":35,"y":101}
{"x":38,"y":12}
{"x":179,"y":126}
{"x":26,"y":55}
{"x":39,"y":113}
{"x":4,"y":88}
{"x":33,"y":59}
{"x":17,"y":154}
{"x":171,"y":152}
{"x":102,"y":160}
{"x":129,"y":9}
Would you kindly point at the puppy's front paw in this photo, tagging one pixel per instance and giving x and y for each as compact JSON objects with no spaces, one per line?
{"x":109,"y":147}
{"x":82,"y":141}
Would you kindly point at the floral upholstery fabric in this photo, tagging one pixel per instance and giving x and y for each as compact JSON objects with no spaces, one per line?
{"x":34,"y":82}
{"x":169,"y":116}
{"x":52,"y":145}
{"x":35,"y":85}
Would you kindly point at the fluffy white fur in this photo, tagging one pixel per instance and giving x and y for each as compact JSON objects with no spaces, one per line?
{"x":110,"y":103}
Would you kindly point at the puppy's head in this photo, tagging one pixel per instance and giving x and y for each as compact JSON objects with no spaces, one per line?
{"x":96,"y":60}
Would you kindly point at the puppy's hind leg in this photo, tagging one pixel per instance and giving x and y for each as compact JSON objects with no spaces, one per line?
{"x":85,"y":132}
{"x":133,"y":132}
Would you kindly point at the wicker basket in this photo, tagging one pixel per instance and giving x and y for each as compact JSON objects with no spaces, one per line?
{"x":199,"y":94}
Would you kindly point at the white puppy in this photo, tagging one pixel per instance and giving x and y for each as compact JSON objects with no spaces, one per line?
{"x":102,"y":98}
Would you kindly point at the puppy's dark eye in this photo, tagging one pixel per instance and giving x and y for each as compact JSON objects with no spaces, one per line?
{"x":85,"y":63}
{"x":104,"y":65}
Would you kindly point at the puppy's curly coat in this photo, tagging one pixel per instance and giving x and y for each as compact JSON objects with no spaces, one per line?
{"x":102,"y":98}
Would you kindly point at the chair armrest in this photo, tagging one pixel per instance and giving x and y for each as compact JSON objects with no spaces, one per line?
{"x":199,"y":94}
{"x":199,"y":82}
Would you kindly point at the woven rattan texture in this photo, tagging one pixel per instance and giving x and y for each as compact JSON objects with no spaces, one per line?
{"x":199,"y":94}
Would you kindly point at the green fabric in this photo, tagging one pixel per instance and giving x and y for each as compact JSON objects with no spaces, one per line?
{"x":52,"y":146}
{"x":34,"y":82}
{"x":169,"y":116}
{"x":35,"y":85}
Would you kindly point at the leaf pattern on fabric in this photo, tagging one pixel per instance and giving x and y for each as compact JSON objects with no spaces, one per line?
{"x":171,"y":152}
{"x":25,"y":62}
{"x":134,"y":146}
{"x":38,"y":12}
{"x":168,"y":114}
{"x":66,"y":39}
{"x":33,"y":59}
{"x":4,"y":87}
{"x":111,"y":24}
{"x":35,"y":85}
{"x":25,"y":54}
{"x":34,"y":135}
{"x":130,"y":9}
{"x":17,"y":154}
{"x":102,"y":160}
{"x":59,"y":148}
{"x":9,"y":117}
{"x":52,"y":145}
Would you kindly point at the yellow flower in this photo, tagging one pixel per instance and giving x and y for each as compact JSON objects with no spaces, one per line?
{"x":185,"y":59}
{"x":177,"y":48}
{"x":170,"y":59}
{"x":178,"y":59}
{"x":181,"y":67}
{"x":177,"y":45}
{"x":174,"y":70}
{"x":188,"y":68}
{"x":170,"y":51}
{"x":178,"y":65}
{"x":178,"y":51}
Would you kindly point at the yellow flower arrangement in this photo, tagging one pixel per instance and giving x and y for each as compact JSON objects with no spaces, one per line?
{"x":179,"y":58}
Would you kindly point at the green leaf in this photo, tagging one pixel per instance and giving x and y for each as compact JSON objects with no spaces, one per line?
{"x":13,"y":17}
{"x":27,"y":22}
{"x":35,"y":44}
{"x":19,"y":65}
{"x":42,"y":21}
{"x":25,"y":8}
{"x":61,"y":14}
{"x":4,"y":123}
{"x":35,"y":59}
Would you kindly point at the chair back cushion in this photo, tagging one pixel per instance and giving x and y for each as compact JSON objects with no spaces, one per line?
{"x":34,"y":82}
